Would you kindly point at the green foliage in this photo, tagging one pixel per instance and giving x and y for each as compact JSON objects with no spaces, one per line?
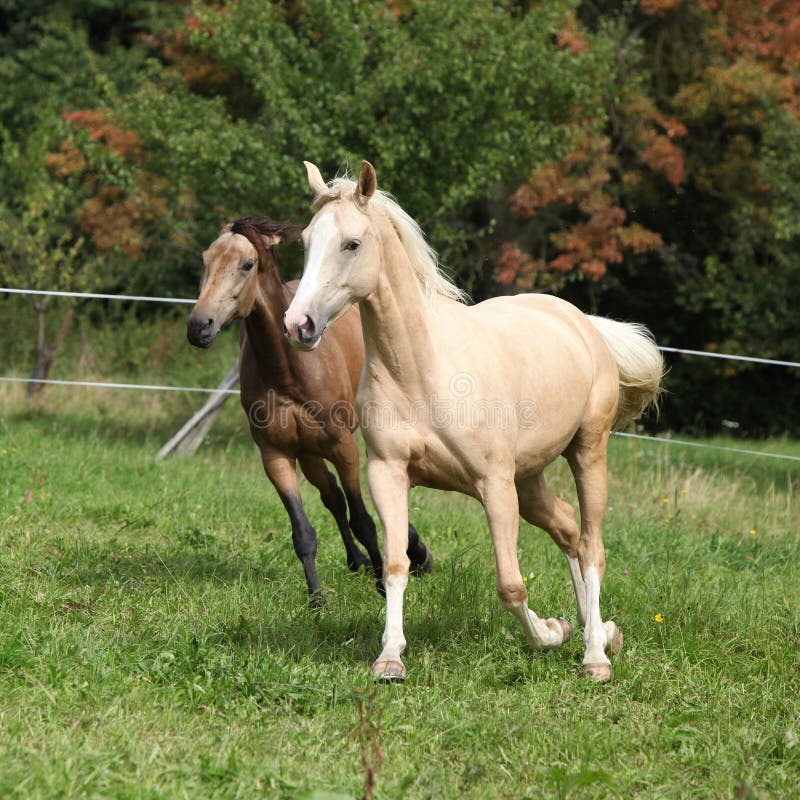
{"x":453,"y":104}
{"x":728,"y":274}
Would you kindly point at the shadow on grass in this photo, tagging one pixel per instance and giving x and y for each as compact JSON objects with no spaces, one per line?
{"x":272,"y":581}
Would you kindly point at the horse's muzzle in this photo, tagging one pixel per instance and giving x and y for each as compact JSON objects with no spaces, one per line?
{"x":303,"y":335}
{"x":201,"y":331}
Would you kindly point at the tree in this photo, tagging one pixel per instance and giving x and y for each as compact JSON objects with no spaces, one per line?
{"x":454,"y":102}
{"x":683,"y":212}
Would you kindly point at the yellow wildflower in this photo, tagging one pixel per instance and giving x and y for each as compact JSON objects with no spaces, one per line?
{"x":659,"y":617}
{"x":752,"y":531}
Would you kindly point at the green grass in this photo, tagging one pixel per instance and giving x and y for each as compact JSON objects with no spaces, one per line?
{"x":155,"y":640}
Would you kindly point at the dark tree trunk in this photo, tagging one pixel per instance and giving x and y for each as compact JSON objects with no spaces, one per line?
{"x":46,"y":354}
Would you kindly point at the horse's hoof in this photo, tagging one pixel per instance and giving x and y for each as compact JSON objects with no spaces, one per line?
{"x":616,"y":642}
{"x":599,"y":673}
{"x":566,"y":627}
{"x":317,"y":601}
{"x":359,"y":563}
{"x":387,"y":671}
{"x":426,"y":567}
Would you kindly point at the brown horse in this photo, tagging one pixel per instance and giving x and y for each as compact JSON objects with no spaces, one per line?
{"x":300,"y":406}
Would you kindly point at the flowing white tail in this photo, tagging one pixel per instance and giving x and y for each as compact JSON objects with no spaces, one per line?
{"x":640,"y":366}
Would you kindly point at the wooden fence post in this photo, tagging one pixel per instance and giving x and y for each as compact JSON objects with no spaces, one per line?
{"x":191,"y":435}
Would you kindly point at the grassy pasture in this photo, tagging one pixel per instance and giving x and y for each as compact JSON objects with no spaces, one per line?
{"x":155,"y":642}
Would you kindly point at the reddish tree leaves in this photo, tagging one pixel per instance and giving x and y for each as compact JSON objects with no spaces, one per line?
{"x":112,"y":218}
{"x":578,"y":187}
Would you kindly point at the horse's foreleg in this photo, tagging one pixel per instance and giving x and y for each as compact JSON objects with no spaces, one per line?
{"x":281,"y":471}
{"x":499,"y":498}
{"x":587,"y":460}
{"x":388,"y":484}
{"x":539,"y":506}
{"x":332,"y":498}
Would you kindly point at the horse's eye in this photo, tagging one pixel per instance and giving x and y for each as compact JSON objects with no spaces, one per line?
{"x":351,"y":245}
{"x":248,"y":265}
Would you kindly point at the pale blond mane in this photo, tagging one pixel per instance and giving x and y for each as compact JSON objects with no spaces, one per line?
{"x":423,"y":258}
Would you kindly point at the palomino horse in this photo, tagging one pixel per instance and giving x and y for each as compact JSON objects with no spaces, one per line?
{"x":472,"y":399}
{"x":300,"y":406}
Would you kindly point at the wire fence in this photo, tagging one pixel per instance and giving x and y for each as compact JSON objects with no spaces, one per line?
{"x":205,"y":390}
{"x":108,"y":385}
{"x":189,"y":301}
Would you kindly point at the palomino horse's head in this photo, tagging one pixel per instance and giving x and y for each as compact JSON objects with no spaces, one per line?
{"x":342,"y":262}
{"x":231,"y":266}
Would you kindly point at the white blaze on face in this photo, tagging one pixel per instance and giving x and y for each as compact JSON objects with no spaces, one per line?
{"x":319,"y":246}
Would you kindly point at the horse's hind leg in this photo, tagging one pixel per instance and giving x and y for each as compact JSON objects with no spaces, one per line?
{"x":587,"y":460}
{"x":332,"y":498}
{"x":421,"y":558}
{"x":281,"y":471}
{"x":539,"y":506}
{"x":500,"y":500}
{"x":345,"y":459}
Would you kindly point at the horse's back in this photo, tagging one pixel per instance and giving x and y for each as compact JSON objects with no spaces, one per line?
{"x":534,"y":310}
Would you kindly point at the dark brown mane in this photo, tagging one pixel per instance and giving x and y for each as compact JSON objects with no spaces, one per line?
{"x":259,"y":224}
{"x":254,"y":227}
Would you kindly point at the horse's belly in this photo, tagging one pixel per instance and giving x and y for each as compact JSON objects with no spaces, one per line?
{"x":537,"y":452}
{"x":443,"y":464}
{"x":448,"y":478}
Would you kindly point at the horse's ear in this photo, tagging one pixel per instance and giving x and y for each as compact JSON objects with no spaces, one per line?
{"x":367,"y":183}
{"x":315,"y":181}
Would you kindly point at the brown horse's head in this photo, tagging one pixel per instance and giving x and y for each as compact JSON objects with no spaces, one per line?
{"x":231,"y":264}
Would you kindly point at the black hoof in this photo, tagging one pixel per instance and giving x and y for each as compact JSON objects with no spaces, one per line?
{"x":358,"y":563}
{"x":424,"y":567}
{"x":317,"y":601}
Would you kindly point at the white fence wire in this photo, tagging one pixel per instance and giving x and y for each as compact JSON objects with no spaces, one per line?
{"x":107,"y":385}
{"x":189,"y":301}
{"x":95,"y":296}
{"x":204,"y":390}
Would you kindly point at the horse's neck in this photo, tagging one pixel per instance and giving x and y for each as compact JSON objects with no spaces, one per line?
{"x":264,"y":327}
{"x":396,"y":321}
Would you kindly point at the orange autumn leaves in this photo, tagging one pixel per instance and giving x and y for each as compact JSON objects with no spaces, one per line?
{"x":111,"y":217}
{"x":576,"y":214}
{"x":602,"y":233}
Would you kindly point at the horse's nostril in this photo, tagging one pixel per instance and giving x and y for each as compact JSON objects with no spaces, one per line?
{"x":200,"y":331}
{"x":306,"y":330}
